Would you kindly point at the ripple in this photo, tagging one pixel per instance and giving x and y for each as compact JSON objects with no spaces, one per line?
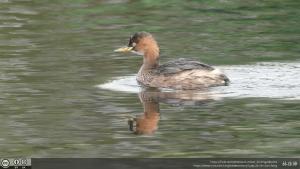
{"x":123,"y":84}
{"x":266,"y":79}
{"x":11,"y":25}
{"x":19,"y":10}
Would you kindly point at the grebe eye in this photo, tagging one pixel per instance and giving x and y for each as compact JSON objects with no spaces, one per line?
{"x":133,"y":44}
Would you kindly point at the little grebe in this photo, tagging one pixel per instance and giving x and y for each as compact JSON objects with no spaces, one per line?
{"x":182,"y":73}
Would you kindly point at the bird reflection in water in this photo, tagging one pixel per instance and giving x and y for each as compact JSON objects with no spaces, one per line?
{"x":147,"y":122}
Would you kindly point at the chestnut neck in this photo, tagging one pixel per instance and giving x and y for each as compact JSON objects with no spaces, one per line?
{"x":150,"y":62}
{"x":151,"y":57}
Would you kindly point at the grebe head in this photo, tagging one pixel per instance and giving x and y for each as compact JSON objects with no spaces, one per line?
{"x":143,"y":43}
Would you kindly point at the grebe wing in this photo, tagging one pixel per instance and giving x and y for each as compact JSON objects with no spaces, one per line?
{"x":182,"y":64}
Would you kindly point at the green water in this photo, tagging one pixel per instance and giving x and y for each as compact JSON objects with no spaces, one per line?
{"x":54,"y":54}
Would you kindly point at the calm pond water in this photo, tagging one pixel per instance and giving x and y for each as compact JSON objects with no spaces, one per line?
{"x":64,"y":93}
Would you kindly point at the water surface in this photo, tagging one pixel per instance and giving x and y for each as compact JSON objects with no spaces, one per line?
{"x":55,"y":54}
